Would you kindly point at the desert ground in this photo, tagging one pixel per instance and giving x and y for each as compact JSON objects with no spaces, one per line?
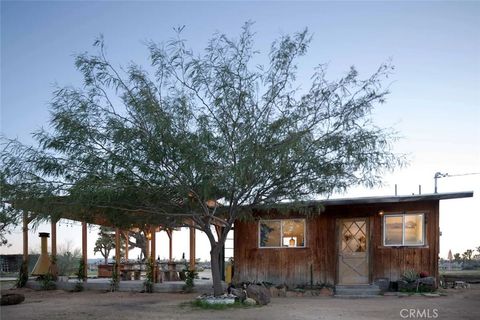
{"x":57,"y":304}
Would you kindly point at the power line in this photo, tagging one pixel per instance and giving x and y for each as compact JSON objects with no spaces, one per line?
{"x":439,"y":175}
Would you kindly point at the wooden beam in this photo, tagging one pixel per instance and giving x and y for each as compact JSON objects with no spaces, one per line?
{"x":84,"y":249}
{"x":53,"y":267}
{"x":153,"y":253}
{"x":54,"y":238}
{"x":170,"y":244}
{"x":117,"y":252}
{"x":153,"y":246}
{"x":25,"y":237}
{"x":192,"y":249}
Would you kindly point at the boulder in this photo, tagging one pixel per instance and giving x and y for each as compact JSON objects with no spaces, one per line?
{"x":259,"y":293}
{"x":250,"y":302}
{"x":12,"y":298}
{"x":382,"y":283}
{"x":240,"y":294}
{"x":325,"y":292}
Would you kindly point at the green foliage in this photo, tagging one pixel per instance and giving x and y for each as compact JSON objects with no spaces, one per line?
{"x":9,"y":219}
{"x":105,"y":242}
{"x":81,"y":270}
{"x":68,"y":260}
{"x":191,"y":275}
{"x":456,"y":257}
{"x":200,"y":127}
{"x":22,"y":276}
{"x":47,"y":282}
{"x":149,"y":279}
{"x":115,"y":280}
{"x":410,"y":275}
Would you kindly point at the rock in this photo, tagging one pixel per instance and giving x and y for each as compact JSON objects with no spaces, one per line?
{"x":12,"y":298}
{"x":382,"y":283}
{"x":282,"y":291}
{"x":250,"y":302}
{"x":259,"y":293}
{"x":274,"y":292}
{"x":326,"y":292}
{"x":240,"y":294}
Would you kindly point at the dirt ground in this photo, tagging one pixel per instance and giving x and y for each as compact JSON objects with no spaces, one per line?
{"x":43,"y":305}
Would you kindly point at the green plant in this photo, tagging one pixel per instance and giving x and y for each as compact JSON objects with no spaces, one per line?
{"x":80,"y":276}
{"x":47,"y":282}
{"x":189,"y":280}
{"x":114,"y":281}
{"x":410,"y":275}
{"x":22,"y":275}
{"x":148,"y":283}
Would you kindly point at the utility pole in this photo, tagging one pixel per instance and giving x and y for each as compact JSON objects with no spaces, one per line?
{"x":437,"y":176}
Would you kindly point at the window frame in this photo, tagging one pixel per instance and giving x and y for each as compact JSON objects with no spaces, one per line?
{"x":403,"y":214}
{"x":281,"y":234}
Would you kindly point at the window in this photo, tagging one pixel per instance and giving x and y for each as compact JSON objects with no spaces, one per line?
{"x":286,"y":233}
{"x":403,"y":229}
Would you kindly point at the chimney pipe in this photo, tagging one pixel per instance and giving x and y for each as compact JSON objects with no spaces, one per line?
{"x":43,"y":263}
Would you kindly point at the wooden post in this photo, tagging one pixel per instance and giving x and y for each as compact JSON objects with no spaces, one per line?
{"x":54,"y":238}
{"x":54,"y":268}
{"x":153,"y":252}
{"x":25,"y":238}
{"x":84,"y":249}
{"x":126,"y":245}
{"x":147,"y":248}
{"x":170,"y":244}
{"x":117,"y":253}
{"x":192,"y":249}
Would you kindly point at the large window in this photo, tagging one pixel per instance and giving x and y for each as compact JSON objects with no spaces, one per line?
{"x":404,"y":229}
{"x":285,"y":233}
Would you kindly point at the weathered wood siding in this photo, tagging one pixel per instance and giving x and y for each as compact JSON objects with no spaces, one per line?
{"x":317,"y":262}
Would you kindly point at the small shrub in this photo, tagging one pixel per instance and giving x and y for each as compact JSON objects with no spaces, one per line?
{"x":114,"y":281}
{"x":47,"y":282}
{"x":149,"y":280}
{"x":22,"y":275}
{"x":190,"y":280}
{"x":80,"y":276}
{"x":410,"y":276}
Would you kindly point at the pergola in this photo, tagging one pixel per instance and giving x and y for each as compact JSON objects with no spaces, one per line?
{"x":131,"y":220}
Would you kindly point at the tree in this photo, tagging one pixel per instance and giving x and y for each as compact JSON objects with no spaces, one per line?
{"x":202,"y":140}
{"x":104,"y":243}
{"x":467,"y":255}
{"x":68,"y":259}
{"x":456,"y":257}
{"x":8,"y":221}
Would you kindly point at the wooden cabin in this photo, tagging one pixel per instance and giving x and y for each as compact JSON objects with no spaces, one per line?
{"x":348,"y":241}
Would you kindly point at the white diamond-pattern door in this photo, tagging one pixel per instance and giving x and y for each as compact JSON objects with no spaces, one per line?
{"x":353,"y":251}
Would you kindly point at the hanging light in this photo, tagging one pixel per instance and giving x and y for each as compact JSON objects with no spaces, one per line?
{"x":211,"y":203}
{"x":291,"y":243}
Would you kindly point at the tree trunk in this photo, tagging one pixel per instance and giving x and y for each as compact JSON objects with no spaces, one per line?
{"x":215,"y":265}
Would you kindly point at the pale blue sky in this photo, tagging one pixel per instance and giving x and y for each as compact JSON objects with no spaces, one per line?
{"x":435,"y":46}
